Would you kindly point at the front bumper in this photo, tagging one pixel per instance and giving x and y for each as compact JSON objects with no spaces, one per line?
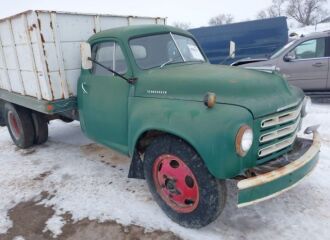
{"x":271,"y":179}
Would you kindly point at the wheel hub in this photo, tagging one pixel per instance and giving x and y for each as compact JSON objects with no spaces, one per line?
{"x":171,"y":186}
{"x":13,"y":124}
{"x":175,"y":183}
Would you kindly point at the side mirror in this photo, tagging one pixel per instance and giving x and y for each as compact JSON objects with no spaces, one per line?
{"x":232,"y":49}
{"x":86,"y":54}
{"x":289,"y":57}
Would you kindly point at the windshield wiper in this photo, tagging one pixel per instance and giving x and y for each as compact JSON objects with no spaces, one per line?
{"x":165,"y":63}
{"x":129,"y":80}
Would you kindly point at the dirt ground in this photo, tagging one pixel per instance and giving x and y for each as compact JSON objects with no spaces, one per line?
{"x":29,"y":219}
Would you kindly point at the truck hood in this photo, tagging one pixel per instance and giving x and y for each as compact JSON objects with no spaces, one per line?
{"x":261,"y":93}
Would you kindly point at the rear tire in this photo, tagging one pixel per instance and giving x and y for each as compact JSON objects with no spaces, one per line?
{"x":181,"y":183}
{"x":40,"y":123}
{"x":2,"y":119}
{"x":20,"y":125}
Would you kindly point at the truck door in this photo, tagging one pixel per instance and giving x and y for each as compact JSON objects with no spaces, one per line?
{"x":103,"y":97}
{"x":309,"y":66}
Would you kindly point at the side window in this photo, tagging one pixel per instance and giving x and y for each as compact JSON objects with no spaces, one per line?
{"x":110,"y":55}
{"x":120,"y":62}
{"x":314,"y":48}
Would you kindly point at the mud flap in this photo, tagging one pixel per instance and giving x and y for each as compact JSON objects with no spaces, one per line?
{"x":136,"y":168}
{"x":280,"y":175}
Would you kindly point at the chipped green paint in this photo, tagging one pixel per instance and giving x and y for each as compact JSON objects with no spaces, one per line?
{"x":170,"y":99}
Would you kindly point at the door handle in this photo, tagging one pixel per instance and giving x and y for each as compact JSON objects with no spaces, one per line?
{"x":318,"y":64}
{"x":83,"y":87}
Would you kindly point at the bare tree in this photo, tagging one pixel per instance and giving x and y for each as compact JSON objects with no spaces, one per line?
{"x":275,"y":10}
{"x":221,"y":19}
{"x":262,"y":14}
{"x":182,"y":25}
{"x":306,"y":12}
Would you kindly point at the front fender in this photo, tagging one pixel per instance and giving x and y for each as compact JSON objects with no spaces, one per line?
{"x":211,"y":132}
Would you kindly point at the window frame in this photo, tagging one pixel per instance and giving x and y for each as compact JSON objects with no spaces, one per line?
{"x":160,"y":33}
{"x":116,"y":43}
{"x":309,"y":59}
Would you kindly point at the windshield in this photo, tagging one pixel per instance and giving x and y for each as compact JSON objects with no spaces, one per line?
{"x":163,"y":49}
{"x":279,"y":52}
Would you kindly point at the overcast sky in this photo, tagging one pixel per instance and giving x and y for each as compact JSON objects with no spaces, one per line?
{"x":195,"y":12}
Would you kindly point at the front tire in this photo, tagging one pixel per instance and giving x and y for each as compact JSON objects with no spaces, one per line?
{"x":181,"y":184}
{"x":20,"y":125}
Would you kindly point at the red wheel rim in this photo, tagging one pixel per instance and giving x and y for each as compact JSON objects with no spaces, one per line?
{"x":175,"y":183}
{"x":13,"y":124}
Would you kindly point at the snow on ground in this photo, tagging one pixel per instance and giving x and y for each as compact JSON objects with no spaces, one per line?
{"x":19,"y":238}
{"x":311,"y":29}
{"x":89,"y":181}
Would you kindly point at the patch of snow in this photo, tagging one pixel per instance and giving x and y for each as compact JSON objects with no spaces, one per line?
{"x":18,"y":238}
{"x":54,"y":225}
{"x":311,"y":29}
{"x":87,"y":184}
{"x":5,"y":222}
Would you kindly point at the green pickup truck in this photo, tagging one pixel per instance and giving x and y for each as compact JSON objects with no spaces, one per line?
{"x":149,"y":92}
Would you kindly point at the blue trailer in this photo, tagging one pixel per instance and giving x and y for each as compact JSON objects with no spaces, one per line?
{"x":255,"y":39}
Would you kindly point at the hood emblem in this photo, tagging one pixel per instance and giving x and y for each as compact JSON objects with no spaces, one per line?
{"x":156,"y":92}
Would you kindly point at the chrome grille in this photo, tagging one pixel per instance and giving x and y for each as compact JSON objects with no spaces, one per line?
{"x":281,"y":118}
{"x":277,"y":146}
{"x":279,"y":132}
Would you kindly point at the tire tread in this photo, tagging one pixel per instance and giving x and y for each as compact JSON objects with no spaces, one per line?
{"x":212,"y":191}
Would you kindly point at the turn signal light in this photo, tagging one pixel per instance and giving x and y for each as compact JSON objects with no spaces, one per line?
{"x":210,"y":99}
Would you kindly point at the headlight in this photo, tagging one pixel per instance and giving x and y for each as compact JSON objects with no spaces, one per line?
{"x":307,"y":104}
{"x":244,"y":140}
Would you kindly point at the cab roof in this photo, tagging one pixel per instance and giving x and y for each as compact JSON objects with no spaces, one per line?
{"x":128,"y":32}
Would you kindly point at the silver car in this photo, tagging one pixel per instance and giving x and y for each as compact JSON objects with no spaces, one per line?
{"x":304,"y":62}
